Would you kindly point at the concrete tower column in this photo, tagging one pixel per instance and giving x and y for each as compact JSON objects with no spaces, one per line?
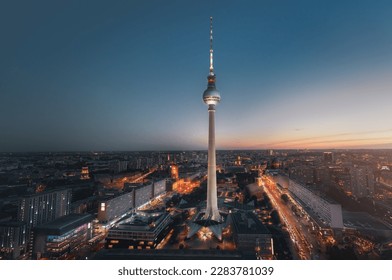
{"x":212,"y":211}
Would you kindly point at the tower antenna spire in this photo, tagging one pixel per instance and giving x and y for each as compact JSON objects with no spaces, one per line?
{"x":211,"y":50}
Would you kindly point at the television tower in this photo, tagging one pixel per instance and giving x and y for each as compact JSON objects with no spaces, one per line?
{"x":211,"y":97}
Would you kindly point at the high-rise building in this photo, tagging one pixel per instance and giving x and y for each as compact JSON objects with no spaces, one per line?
{"x":44,"y":207}
{"x":362,"y":181}
{"x":328,"y":157}
{"x":41,"y":208}
{"x":12,"y":239}
{"x":211,"y":97}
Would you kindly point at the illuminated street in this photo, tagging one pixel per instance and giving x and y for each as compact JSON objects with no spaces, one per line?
{"x":303,"y":241}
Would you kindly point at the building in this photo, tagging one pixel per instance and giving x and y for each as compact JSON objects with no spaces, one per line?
{"x":319,"y":208}
{"x":251,"y":235}
{"x":84,"y":174}
{"x":341,"y":177}
{"x":13,"y":238}
{"x":59,"y":238}
{"x":140,"y":231}
{"x":174,"y":171}
{"x":328,"y":157}
{"x":211,"y":97}
{"x":159,"y":187}
{"x":304,"y":174}
{"x":362,"y":181}
{"x":118,"y":166}
{"x":386,"y":177}
{"x":143,"y":192}
{"x":44,"y":207}
{"x":110,"y":209}
{"x":254,"y":190}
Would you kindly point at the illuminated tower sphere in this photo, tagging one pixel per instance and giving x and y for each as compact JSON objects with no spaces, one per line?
{"x":211,"y":97}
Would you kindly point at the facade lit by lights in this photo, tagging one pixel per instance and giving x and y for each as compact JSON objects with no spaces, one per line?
{"x":62,"y":237}
{"x":174,"y":171}
{"x":84,"y":174}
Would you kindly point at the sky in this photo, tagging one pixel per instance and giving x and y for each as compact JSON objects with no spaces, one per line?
{"x":129,"y":75}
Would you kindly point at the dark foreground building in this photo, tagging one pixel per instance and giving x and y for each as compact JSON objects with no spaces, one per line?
{"x":250,"y":235}
{"x":140,"y":231}
{"x":58,"y":239}
{"x":182,"y":254}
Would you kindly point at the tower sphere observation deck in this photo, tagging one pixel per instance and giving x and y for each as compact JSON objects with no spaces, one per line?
{"x":211,"y":95}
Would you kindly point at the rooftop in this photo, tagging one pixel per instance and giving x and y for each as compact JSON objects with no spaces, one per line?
{"x":247,"y":223}
{"x":142,"y":221}
{"x":64,"y":224}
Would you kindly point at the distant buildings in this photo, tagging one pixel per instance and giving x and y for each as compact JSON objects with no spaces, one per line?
{"x":328,"y":157}
{"x":174,"y":171}
{"x":84,"y":174}
{"x":362,"y":181}
{"x":118,"y":166}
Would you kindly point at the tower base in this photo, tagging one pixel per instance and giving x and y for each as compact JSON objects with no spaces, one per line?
{"x":200,"y":222}
{"x":212,"y":214}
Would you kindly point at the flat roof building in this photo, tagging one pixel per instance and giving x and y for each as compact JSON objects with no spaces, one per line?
{"x":59,"y":238}
{"x":251,"y":235}
{"x":140,"y":231}
{"x":113,"y":208}
{"x":328,"y":212}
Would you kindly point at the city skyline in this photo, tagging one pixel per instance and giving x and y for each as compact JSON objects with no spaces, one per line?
{"x":87,"y":76}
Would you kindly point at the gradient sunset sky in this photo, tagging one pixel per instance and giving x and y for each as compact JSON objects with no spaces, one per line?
{"x":129,"y":75}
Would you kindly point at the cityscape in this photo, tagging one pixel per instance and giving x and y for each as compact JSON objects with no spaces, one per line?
{"x":144,"y":177}
{"x":275,"y":204}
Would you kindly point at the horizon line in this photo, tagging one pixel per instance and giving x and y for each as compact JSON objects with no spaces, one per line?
{"x":197,"y":150}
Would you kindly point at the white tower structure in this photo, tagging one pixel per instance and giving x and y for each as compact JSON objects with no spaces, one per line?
{"x":211,"y":97}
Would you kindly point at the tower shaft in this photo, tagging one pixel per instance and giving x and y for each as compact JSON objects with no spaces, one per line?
{"x":212,"y":211}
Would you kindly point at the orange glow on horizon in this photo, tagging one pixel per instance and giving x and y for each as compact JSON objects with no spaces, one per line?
{"x":340,"y":141}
